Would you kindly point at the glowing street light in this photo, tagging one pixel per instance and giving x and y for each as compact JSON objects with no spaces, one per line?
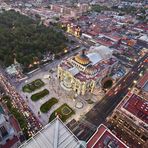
{"x":135,"y":82}
{"x":65,"y":50}
{"x":135,"y":60}
{"x":78,"y":4}
{"x":140,"y":74}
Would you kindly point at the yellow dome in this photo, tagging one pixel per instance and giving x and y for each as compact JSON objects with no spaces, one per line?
{"x":91,"y":70}
{"x":82,"y":59}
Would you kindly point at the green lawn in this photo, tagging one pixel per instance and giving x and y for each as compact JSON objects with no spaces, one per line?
{"x":90,"y":101}
{"x":63,"y":111}
{"x":47,"y":105}
{"x":39,"y":95}
{"x":36,"y":84}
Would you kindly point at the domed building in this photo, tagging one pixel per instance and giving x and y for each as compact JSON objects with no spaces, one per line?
{"x":82,"y":58}
{"x":81,"y":73}
{"x":91,"y":70}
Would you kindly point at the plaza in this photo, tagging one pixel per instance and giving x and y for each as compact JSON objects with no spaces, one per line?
{"x":80,"y":104}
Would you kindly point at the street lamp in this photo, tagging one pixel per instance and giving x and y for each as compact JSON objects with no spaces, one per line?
{"x":140,"y":75}
{"x":65,"y":50}
{"x":135,"y":60}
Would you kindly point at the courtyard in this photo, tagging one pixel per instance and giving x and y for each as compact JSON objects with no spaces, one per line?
{"x":76,"y":106}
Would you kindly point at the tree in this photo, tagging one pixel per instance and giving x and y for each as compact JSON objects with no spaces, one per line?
{"x":27,"y":38}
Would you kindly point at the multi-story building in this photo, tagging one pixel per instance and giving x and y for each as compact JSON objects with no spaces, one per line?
{"x":83,"y":7}
{"x":131,"y":116}
{"x":10,"y":131}
{"x":143,"y":41}
{"x":56,"y":8}
{"x":54,"y":135}
{"x":57,"y":134}
{"x":70,"y":11}
{"x":85,"y":71}
{"x":104,"y":138}
{"x":75,"y":30}
{"x":142,"y":85}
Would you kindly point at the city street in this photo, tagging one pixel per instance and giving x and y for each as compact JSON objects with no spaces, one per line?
{"x":104,"y":108}
{"x":73,"y":73}
{"x":53,"y":64}
{"x":33,"y":123}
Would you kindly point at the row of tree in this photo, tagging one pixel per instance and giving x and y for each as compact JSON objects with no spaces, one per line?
{"x":26,"y":39}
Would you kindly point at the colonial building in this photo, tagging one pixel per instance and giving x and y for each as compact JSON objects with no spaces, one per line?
{"x":74,"y":30}
{"x":84,"y":72}
{"x":104,"y":138}
{"x":131,"y":116}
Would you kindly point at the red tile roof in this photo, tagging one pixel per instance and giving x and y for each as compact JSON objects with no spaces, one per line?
{"x":93,"y":33}
{"x":99,"y":139}
{"x":95,"y":137}
{"x":143,"y":26}
{"x":105,"y":43}
{"x":11,"y":142}
{"x":15,"y":123}
{"x":137,"y":107}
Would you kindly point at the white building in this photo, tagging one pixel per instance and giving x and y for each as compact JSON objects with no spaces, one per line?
{"x":54,"y":135}
{"x":9,"y":132}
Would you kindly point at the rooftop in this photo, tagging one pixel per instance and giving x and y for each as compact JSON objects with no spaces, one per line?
{"x":54,"y":135}
{"x":15,"y":123}
{"x":144,"y":38}
{"x":137,"y":107}
{"x":103,"y":137}
{"x":97,"y":60}
{"x":11,"y":142}
{"x":143,"y":82}
{"x":145,"y":88}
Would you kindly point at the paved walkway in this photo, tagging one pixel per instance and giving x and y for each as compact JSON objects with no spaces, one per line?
{"x":55,"y":90}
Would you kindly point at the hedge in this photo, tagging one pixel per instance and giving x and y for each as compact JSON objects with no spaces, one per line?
{"x":47,"y":105}
{"x":61,"y":115}
{"x":34,"y":85}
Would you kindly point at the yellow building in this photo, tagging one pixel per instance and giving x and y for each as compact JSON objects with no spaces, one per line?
{"x":74,"y":30}
{"x":83,"y":73}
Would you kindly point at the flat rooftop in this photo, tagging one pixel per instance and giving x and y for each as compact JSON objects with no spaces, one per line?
{"x":143,"y":82}
{"x":103,"y":137}
{"x":54,"y":135}
{"x":145,"y":88}
{"x":137,"y":107}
